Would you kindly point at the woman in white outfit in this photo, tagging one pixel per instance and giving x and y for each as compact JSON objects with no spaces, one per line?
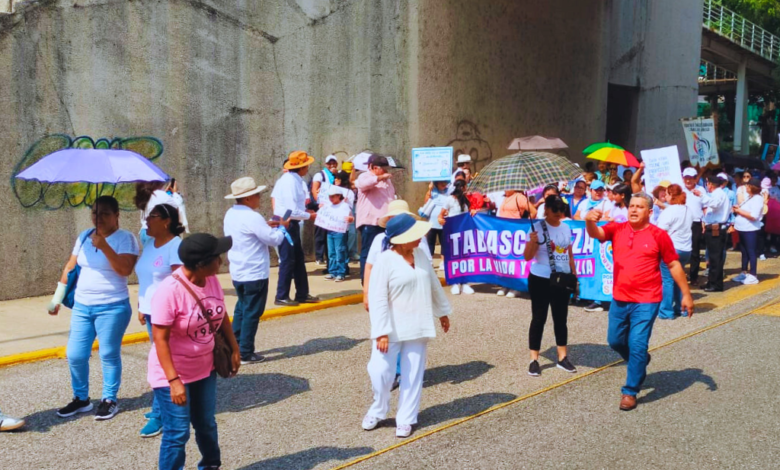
{"x":457,"y":204}
{"x":404,"y":297}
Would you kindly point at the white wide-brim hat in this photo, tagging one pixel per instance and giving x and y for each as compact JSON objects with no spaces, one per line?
{"x":463,"y":158}
{"x":396,"y":207}
{"x":244,"y":187}
{"x":406,"y":229}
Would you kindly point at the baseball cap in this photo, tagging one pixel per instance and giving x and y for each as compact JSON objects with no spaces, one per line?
{"x":331,"y":158}
{"x":377,"y":160}
{"x":723,"y":176}
{"x":690,"y":173}
{"x":597,"y":184}
{"x":200,"y":247}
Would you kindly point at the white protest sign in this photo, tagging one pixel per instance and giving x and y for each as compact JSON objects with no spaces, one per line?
{"x":701,"y":141}
{"x":333,"y":218}
{"x":662,"y":164}
{"x":431,"y":163}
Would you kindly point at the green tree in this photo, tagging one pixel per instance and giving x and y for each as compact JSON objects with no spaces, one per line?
{"x":764,"y":13}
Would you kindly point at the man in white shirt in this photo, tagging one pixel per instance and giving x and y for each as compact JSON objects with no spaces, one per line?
{"x":320,"y":183}
{"x":693,"y":201}
{"x":249,"y":261}
{"x":290,"y":194}
{"x":715,"y":226}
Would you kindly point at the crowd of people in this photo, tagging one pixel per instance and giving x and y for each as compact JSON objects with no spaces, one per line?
{"x":656,"y":233}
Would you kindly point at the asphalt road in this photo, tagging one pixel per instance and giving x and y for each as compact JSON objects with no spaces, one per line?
{"x":303,"y":407}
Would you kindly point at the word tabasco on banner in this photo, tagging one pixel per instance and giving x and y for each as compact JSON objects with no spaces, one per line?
{"x":485,"y":249}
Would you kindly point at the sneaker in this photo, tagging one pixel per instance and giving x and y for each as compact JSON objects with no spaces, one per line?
{"x":566,"y":365}
{"x":106,"y":409}
{"x":594,"y":307}
{"x":501,"y":292}
{"x":455,"y":289}
{"x":370,"y":422}
{"x":340,"y":279}
{"x":740,"y":277}
{"x":253,"y":358}
{"x":511,"y":294}
{"x":750,"y":279}
{"x":148,"y":416}
{"x":403,"y":431}
{"x":467,"y":289}
{"x":762,"y":258}
{"x":8,"y":423}
{"x":328,"y":277}
{"x":319,"y":262}
{"x":152,"y":428}
{"x":534,"y":370}
{"x":74,"y":407}
{"x":396,"y":382}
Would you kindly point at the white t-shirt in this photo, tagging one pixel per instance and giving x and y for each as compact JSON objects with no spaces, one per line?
{"x":98,"y":283}
{"x":753,"y":206}
{"x":618,"y":214}
{"x":603,"y":204}
{"x":694,"y":204}
{"x":376,"y":249}
{"x":560,"y":237}
{"x":339,"y":212}
{"x":325,"y":184}
{"x":497,"y":198}
{"x":677,"y":220}
{"x":152,"y":267}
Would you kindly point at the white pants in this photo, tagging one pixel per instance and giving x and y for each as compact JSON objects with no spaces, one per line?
{"x":381,"y":369}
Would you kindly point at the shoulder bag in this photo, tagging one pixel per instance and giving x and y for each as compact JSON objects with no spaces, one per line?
{"x":564,"y":281}
{"x":73,"y":277}
{"x":223,"y":350}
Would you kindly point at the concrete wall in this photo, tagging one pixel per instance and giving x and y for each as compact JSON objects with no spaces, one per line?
{"x":656,"y":45}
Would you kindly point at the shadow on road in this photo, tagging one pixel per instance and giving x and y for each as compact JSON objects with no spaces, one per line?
{"x":248,"y":391}
{"x":589,"y":355}
{"x":309,"y":458}
{"x":313,"y":346}
{"x":455,"y":374}
{"x":462,"y":407}
{"x":669,"y":382}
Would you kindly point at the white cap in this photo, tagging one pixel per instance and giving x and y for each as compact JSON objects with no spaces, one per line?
{"x":723,"y":176}
{"x":463,"y":158}
{"x":331,"y":158}
{"x":690,"y":172}
{"x":333,"y":190}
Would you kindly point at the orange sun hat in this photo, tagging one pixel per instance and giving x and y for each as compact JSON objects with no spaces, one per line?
{"x":298,"y":159}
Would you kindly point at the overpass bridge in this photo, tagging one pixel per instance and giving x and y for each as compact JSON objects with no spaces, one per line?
{"x":737,"y":57}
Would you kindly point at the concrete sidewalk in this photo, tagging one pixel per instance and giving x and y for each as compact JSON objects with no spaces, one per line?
{"x":28,"y":327}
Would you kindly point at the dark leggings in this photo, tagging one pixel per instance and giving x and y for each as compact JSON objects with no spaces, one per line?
{"x":748,"y":245}
{"x":431,"y":238}
{"x":543,"y":297}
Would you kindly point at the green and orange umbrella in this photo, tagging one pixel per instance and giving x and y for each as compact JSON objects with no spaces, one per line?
{"x":611,"y":153}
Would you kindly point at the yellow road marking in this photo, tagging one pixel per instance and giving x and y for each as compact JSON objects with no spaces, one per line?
{"x":771,"y":304}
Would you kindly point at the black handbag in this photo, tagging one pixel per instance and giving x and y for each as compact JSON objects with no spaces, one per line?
{"x":558,"y":280}
{"x":223,"y":351}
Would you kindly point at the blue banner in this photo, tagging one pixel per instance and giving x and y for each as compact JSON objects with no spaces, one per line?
{"x":485,"y":249}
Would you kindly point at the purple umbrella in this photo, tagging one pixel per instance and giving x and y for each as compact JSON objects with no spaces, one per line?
{"x":93,"y":166}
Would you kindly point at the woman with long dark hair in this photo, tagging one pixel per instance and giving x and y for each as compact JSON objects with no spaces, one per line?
{"x":621,"y":196}
{"x":748,"y":224}
{"x":457,"y":204}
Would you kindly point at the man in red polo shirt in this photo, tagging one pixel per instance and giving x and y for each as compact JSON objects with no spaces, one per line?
{"x":638,"y":248}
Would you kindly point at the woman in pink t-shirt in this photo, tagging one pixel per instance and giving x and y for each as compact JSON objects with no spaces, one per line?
{"x":181,"y":361}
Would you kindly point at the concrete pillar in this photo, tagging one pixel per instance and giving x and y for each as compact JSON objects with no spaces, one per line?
{"x":741,"y":144}
{"x":6,"y":6}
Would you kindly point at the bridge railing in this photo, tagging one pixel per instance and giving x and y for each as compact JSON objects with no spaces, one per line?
{"x":739,"y":30}
{"x":711,"y":73}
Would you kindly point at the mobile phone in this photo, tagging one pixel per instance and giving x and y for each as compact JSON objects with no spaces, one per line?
{"x":171,"y":184}
{"x":287,"y":215}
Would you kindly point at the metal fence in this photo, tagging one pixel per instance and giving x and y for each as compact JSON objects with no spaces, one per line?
{"x":738,"y":30}
{"x":711,"y":73}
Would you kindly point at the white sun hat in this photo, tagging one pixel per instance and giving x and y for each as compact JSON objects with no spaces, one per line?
{"x":244,"y":187}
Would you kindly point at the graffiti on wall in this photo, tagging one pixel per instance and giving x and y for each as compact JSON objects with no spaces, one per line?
{"x":55,"y":196}
{"x":468,"y":141}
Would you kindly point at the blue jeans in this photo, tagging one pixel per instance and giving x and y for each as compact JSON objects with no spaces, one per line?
{"x":367,"y":235}
{"x":337,"y":254}
{"x":748,"y":245}
{"x":155,"y":414}
{"x":630,"y":327}
{"x":108,"y":323}
{"x":199,"y":410}
{"x":670,"y":305}
{"x":252,"y":296}
{"x":352,"y":252}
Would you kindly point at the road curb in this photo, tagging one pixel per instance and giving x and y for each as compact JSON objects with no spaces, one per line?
{"x":142,"y":337}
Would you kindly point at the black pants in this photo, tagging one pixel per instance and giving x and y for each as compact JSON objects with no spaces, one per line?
{"x":697,"y":243}
{"x":431,"y":238}
{"x":252,"y":296}
{"x":320,"y":243}
{"x":544,"y":297}
{"x":292,"y":266}
{"x":715,"y":247}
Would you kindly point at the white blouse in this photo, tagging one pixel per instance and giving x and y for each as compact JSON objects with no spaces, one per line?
{"x":403,"y":300}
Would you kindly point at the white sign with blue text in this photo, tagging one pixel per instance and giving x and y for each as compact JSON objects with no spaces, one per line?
{"x":431,"y":163}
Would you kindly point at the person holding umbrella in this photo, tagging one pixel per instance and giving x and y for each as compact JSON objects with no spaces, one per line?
{"x":107,"y":256}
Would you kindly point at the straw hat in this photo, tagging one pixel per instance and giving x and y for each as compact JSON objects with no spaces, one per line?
{"x":298,"y":159}
{"x":405,"y":229}
{"x":244,"y":187}
{"x":396,"y":207}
